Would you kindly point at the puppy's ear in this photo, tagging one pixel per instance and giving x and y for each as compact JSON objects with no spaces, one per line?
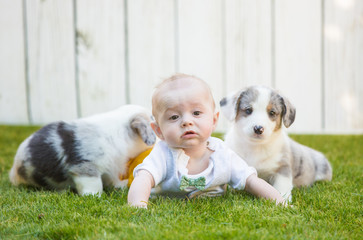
{"x":157,"y":130}
{"x":229,"y":105}
{"x":288,"y":112}
{"x":141,"y":125}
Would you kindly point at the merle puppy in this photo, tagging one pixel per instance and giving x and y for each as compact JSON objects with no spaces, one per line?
{"x":259,"y":117}
{"x":85,"y":154}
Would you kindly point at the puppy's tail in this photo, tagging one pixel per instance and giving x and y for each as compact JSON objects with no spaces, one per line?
{"x":323,"y":169}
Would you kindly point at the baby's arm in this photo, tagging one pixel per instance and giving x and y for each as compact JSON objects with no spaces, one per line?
{"x":140,"y":189}
{"x":261,"y":188}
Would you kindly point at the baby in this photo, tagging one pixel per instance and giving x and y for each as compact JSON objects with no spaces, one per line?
{"x":188,"y":162}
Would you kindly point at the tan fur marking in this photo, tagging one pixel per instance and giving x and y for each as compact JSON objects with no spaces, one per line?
{"x":277,"y":117}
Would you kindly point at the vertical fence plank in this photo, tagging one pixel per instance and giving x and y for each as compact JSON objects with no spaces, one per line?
{"x":51,"y":60}
{"x":101,"y":55}
{"x":13,"y":107}
{"x":248,"y":43}
{"x":298,"y":60}
{"x":343,"y":60}
{"x":201,"y":41}
{"x":201,"y":50}
{"x":151,"y":46}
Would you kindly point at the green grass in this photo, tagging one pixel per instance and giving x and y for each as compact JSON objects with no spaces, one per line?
{"x":328,"y":210}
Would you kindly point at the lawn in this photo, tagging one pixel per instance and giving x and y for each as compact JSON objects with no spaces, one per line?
{"x":327,"y":210}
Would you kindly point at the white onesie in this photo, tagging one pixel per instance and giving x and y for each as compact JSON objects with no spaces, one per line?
{"x":168,"y":167}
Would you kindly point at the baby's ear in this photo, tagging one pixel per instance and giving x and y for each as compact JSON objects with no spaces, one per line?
{"x":157,"y":130}
{"x":215,"y":120}
{"x":229,"y":105}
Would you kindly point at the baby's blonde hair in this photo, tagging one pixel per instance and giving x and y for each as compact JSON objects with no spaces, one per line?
{"x":173,"y":78}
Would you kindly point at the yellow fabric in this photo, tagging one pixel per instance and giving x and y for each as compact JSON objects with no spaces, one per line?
{"x":132,"y":163}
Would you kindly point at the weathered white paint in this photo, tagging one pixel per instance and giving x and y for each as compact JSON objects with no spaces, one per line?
{"x":343,"y":66}
{"x":298,"y":60}
{"x":13,"y":101}
{"x":310,"y":50}
{"x":51,"y":56}
{"x":248,"y":43}
{"x":101,"y":55}
{"x":151,"y":42}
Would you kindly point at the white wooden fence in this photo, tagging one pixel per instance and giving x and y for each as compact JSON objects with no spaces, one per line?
{"x":63,"y":59}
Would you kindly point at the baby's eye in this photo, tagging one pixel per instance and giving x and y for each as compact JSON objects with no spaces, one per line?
{"x":197,"y":113}
{"x":174,"y":117}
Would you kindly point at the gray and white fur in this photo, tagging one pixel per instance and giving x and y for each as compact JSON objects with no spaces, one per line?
{"x":85,"y":154}
{"x":259,"y":116}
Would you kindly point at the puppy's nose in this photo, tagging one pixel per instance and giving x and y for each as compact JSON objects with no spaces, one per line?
{"x":258,"y":129}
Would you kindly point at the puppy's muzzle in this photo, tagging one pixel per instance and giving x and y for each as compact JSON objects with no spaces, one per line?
{"x":258,"y":129}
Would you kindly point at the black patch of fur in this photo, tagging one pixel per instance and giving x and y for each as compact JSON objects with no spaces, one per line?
{"x":299,"y":169}
{"x":69,"y":143}
{"x":223,"y":102}
{"x":22,"y":172}
{"x":44,"y":157}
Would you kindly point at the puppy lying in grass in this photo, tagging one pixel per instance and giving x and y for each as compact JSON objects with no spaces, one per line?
{"x":258,"y":136}
{"x":85,"y":154}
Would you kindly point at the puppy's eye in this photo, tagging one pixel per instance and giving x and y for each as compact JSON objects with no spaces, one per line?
{"x":248,"y":111}
{"x":174,"y":117}
{"x":272,"y":113}
{"x":197,"y":113}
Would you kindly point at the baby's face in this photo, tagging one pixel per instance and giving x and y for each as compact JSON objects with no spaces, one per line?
{"x":185,"y":116}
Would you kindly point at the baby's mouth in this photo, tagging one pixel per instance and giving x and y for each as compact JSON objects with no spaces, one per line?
{"x":188,"y":133}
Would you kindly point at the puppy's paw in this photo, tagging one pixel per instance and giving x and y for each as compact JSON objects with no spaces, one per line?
{"x":86,"y":185}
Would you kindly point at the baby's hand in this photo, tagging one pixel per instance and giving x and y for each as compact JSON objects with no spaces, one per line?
{"x":140,"y":188}
{"x":139,"y":206}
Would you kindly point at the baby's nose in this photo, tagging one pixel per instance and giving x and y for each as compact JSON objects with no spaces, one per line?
{"x":187,"y":121}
